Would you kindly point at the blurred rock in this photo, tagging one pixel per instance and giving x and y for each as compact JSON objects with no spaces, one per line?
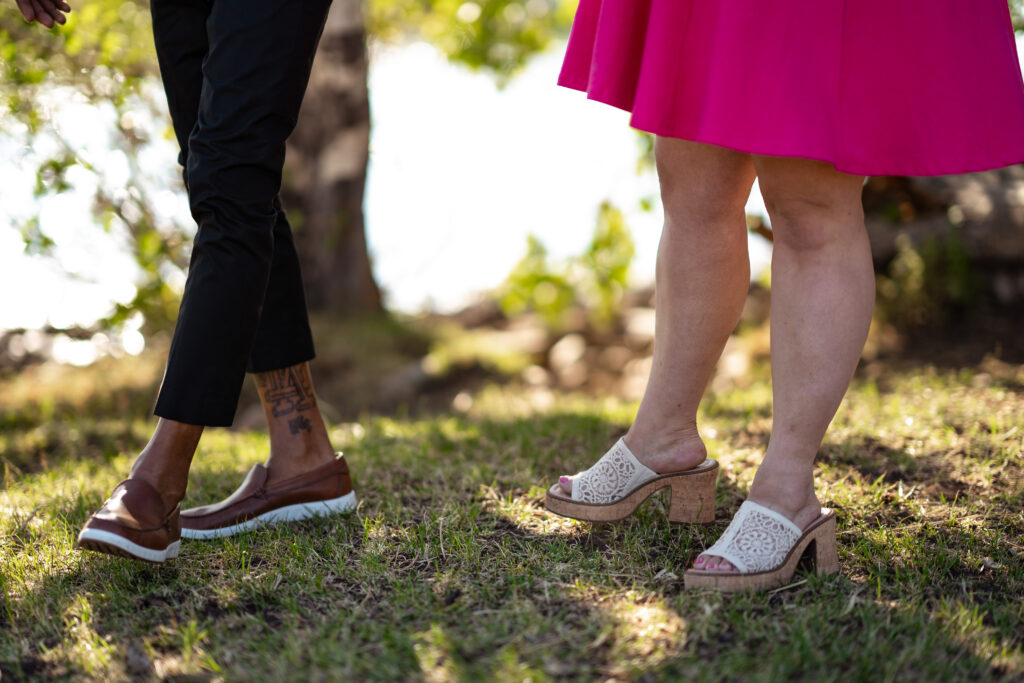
{"x":403,"y":384}
{"x":137,"y":663}
{"x":602,"y":382}
{"x":536,"y":376}
{"x":757,"y":307}
{"x":566,"y":352}
{"x":986,"y":208}
{"x":614,"y":358}
{"x":528,"y":336}
{"x":639,"y":324}
{"x":483,"y":312}
{"x":1008,"y":287}
{"x":566,"y":360}
{"x":462,"y":402}
{"x":638,"y":298}
{"x":733,"y":367}
{"x":574,"y":376}
{"x":635,"y":374}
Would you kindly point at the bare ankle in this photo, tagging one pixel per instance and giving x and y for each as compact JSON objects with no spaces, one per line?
{"x":790,"y":493}
{"x":298,"y":436}
{"x":165,"y":461}
{"x":170,"y":485}
{"x":667,"y":450}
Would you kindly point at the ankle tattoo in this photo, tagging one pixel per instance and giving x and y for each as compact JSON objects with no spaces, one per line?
{"x":287,"y":391}
{"x":300,"y":424}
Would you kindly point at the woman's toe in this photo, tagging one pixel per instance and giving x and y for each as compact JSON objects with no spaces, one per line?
{"x":566,"y":484}
{"x":722,"y":565}
{"x":714,"y":564}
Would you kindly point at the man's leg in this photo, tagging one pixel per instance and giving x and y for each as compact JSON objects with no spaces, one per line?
{"x":255,"y":75}
{"x":179,"y":32}
{"x":298,"y":436}
{"x":255,"y":60}
{"x":237,"y":150}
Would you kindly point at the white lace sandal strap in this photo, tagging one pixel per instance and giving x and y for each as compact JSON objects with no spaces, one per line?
{"x":613,"y":476}
{"x":757,"y":539}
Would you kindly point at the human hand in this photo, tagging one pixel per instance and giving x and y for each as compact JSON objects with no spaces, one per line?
{"x":46,"y":12}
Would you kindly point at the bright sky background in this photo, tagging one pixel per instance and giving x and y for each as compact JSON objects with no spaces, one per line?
{"x":455,"y":189}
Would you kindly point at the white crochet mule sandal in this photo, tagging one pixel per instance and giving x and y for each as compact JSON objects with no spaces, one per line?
{"x":618,"y":483}
{"x":765,"y":548}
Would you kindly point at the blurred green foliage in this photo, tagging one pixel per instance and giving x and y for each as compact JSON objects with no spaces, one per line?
{"x":538,"y":285}
{"x":603,"y":269}
{"x":498,"y":35}
{"x":1017,"y":12}
{"x":104,"y":55}
{"x":103,"y":50}
{"x":596,"y":279}
{"x":924,"y":284}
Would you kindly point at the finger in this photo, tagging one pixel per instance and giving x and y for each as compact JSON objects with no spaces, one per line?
{"x":41,"y":15}
{"x":26,"y":10}
{"x":45,"y":12}
{"x":51,"y":8}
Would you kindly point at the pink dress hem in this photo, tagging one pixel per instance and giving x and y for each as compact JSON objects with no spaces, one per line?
{"x":873,"y":87}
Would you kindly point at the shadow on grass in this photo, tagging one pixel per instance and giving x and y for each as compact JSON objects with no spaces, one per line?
{"x":451,"y":569}
{"x":938,"y":475}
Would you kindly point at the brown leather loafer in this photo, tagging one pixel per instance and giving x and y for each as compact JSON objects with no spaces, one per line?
{"x":326,"y":490}
{"x":132,"y":523}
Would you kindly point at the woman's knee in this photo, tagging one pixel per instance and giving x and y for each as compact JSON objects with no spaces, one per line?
{"x":702,"y":186}
{"x":813,"y":210}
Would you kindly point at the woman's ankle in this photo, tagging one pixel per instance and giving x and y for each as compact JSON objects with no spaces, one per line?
{"x":788,"y":491}
{"x":666,"y":450}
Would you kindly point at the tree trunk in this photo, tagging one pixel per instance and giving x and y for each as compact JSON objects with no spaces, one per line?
{"x":325,"y":173}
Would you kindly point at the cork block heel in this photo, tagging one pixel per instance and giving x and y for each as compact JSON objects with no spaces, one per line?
{"x":823,"y":546}
{"x":692,"y":498}
{"x":818,"y":541}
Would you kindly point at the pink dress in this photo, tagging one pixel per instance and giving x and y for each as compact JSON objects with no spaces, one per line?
{"x":875,"y":87}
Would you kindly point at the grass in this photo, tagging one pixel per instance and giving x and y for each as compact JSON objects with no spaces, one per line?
{"x":452,"y":570}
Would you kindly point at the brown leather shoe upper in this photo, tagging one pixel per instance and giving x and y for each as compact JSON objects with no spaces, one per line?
{"x":135,"y":511}
{"x":254,"y":497}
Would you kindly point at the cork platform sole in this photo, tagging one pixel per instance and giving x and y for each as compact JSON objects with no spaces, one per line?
{"x":819,"y":539}
{"x":692,"y":491}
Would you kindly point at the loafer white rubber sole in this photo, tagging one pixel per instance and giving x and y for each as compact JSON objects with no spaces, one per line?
{"x":288,"y":513}
{"x":101,"y":541}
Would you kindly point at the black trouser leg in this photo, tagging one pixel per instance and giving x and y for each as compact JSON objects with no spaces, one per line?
{"x":235,"y":74}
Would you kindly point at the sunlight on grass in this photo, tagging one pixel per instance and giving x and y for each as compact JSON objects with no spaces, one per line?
{"x":451,"y":568}
{"x":84,"y":649}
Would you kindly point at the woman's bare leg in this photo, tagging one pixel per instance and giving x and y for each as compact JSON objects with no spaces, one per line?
{"x":703,"y":275}
{"x":823,"y":292}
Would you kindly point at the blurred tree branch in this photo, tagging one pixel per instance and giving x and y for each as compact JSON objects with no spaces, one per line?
{"x":105,"y":55}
